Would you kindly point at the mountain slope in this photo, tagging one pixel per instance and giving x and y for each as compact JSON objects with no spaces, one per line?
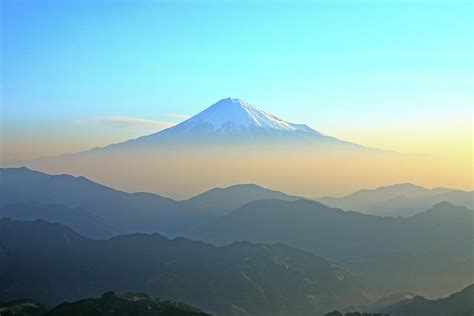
{"x":52,"y":263}
{"x":231,"y":123}
{"x":432,"y":274}
{"x":340,"y":235}
{"x":119,"y":211}
{"x":123,"y":212}
{"x":232,"y":116}
{"x":128,"y":304}
{"x":457,"y":304}
{"x":80,"y":220}
{"x":234,"y":120}
{"x":225,"y":200}
{"x":403,"y":199}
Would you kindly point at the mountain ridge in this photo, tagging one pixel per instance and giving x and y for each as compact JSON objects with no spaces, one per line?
{"x":266,"y":279}
{"x":309,"y":224}
{"x":233,"y":121}
{"x":236,"y":113}
{"x":457,"y":304}
{"x":123,"y":212}
{"x":401,"y":199}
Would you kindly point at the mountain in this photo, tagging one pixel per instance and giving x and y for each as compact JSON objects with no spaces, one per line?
{"x":403,"y":199}
{"x":227,"y":143}
{"x":432,"y":274}
{"x":127,"y":304}
{"x":78,"y":219}
{"x":51,"y":263}
{"x":225,"y":200}
{"x":232,"y":117}
{"x":122,"y":212}
{"x":99,"y":211}
{"x":340,"y":235}
{"x":457,"y":304}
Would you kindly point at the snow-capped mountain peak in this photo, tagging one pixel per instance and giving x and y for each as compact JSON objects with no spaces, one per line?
{"x":232,"y":116}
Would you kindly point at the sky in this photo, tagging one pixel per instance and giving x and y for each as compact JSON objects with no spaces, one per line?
{"x":395,"y":75}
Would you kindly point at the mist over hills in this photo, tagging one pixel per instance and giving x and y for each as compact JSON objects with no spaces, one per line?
{"x":427,"y":254}
{"x":124,"y":212}
{"x":78,"y":219}
{"x":52,"y":263}
{"x":403,"y":199}
{"x":265,"y":279}
{"x":431,"y":274}
{"x":457,"y":304}
{"x":241,"y":212}
{"x":121,"y":212}
{"x":338,"y":234}
{"x":136,"y":179}
{"x":222,"y":201}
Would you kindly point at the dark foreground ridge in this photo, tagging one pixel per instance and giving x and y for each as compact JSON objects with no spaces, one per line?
{"x":109,"y":304}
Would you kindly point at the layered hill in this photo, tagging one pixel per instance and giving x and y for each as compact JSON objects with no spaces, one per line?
{"x":121,"y":211}
{"x":430,"y":274}
{"x":99,"y":211}
{"x":51,"y":263}
{"x":403,"y":199}
{"x":79,"y":219}
{"x":222,"y":201}
{"x":338,"y":234}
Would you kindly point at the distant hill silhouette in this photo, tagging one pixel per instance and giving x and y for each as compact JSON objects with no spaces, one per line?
{"x":340,"y":235}
{"x":121,"y":212}
{"x":222,"y":201}
{"x":457,"y":304}
{"x":52,"y":263}
{"x":79,"y":219}
{"x":403,"y":199}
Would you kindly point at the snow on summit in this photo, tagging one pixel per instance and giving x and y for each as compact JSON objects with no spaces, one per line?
{"x":235,"y":116}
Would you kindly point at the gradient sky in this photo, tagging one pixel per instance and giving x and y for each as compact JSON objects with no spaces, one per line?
{"x":390,"y":74}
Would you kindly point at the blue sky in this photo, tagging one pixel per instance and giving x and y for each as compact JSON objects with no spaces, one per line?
{"x":77,"y":70}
